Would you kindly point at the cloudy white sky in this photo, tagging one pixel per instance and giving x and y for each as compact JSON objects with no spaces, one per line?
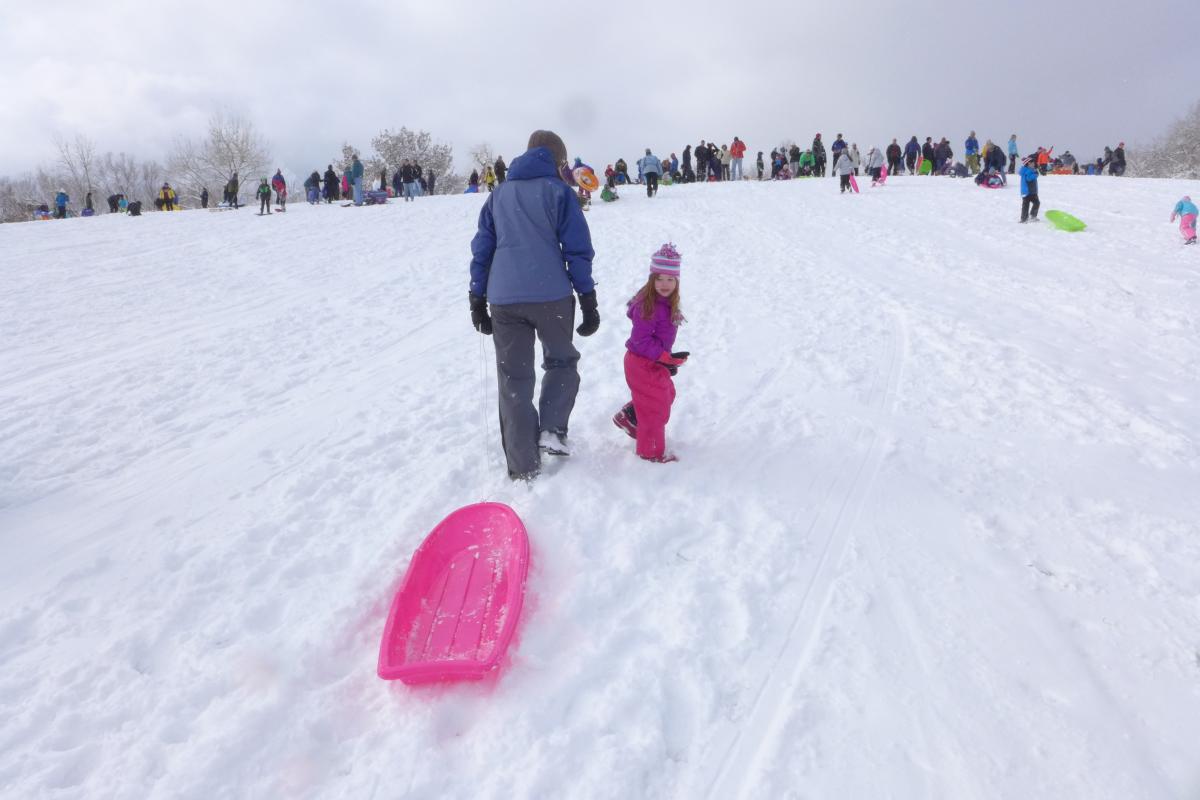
{"x":611,"y":77}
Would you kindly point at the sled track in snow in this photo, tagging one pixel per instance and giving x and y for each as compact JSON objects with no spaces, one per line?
{"x":739,"y":746}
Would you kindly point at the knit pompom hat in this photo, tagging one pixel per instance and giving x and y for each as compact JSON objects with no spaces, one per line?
{"x":666,"y":261}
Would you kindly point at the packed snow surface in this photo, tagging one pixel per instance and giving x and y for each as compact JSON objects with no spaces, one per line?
{"x":934,"y":533}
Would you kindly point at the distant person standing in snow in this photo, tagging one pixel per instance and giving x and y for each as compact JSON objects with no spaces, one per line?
{"x":280,"y":187}
{"x":1029,"y":189}
{"x":875,"y":164}
{"x":836,"y":149}
{"x":526,"y":267}
{"x":264,"y":198}
{"x":356,"y":176}
{"x":1013,"y":154}
{"x":234,"y":188}
{"x":737,"y":151}
{"x":204,"y":197}
{"x":818,"y":151}
{"x":501,"y":169}
{"x":971,"y":148}
{"x":60,"y":204}
{"x":331,"y":185}
{"x":893,"y":158}
{"x":911,"y":151}
{"x":650,"y":167}
{"x":1118,"y":161}
{"x":649,"y":362}
{"x":1185,"y":209}
{"x":843,"y":168}
{"x":408,"y":176}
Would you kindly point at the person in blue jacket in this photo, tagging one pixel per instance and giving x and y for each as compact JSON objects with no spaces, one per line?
{"x":971,"y":150}
{"x":1012,"y":154}
{"x":356,"y":179}
{"x":1185,"y":209}
{"x":531,"y":254}
{"x":911,"y":151}
{"x":60,"y":204}
{"x":1029,"y":189}
{"x":650,"y":167}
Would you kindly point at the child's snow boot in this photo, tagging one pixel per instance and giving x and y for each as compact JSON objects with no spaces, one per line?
{"x":626,"y":420}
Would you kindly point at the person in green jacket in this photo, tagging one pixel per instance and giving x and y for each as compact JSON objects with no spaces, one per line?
{"x":808,"y":163}
{"x":264,"y":198}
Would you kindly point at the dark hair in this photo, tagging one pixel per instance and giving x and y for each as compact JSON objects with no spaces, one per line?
{"x":552,"y":142}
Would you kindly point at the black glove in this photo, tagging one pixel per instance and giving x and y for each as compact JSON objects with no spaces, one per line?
{"x":479,"y":314}
{"x":591,"y":316}
{"x":683,"y":354}
{"x":673,"y":369}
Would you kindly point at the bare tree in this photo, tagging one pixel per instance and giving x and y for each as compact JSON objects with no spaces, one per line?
{"x":231,"y":145}
{"x":77,"y":160}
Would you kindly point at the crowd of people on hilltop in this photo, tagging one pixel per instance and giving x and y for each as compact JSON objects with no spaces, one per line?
{"x":701,"y":163}
{"x":708,"y":162}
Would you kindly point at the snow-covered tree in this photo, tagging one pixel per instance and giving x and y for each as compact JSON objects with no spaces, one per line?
{"x":392,"y":148}
{"x":482,"y":157}
{"x":1175,"y":155}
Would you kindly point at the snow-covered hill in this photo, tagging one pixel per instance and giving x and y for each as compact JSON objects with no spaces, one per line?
{"x":935,"y":531}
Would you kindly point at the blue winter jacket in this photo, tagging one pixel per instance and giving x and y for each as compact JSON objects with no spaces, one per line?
{"x":972,"y":145}
{"x":1012,"y":147}
{"x":912,"y":148}
{"x":356,"y":170}
{"x":1185,"y":206}
{"x":1029,"y":177}
{"x":533,"y":244}
{"x":650,"y":164}
{"x":61,"y":199}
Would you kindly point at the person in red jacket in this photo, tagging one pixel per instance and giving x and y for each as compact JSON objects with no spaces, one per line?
{"x":736,"y":151}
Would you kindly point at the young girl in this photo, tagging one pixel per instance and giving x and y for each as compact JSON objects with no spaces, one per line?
{"x":1185,"y":209}
{"x":649,"y":362}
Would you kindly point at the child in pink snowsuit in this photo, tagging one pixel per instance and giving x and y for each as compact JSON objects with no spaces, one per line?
{"x":1185,"y":209}
{"x":649,"y":362}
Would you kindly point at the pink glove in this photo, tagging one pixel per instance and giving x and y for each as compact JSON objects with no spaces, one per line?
{"x":667,"y":358}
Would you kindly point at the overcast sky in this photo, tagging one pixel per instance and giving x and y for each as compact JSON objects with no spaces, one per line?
{"x":612,"y":78}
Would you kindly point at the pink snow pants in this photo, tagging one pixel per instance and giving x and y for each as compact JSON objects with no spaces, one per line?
{"x":653,"y":393}
{"x":1187,"y":226}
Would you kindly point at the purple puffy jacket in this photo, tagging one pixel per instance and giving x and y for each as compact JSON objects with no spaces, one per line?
{"x":651,"y":337}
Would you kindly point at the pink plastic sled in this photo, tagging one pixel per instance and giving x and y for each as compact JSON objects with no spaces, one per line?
{"x":853,"y":183}
{"x":457,"y":608}
{"x":883,"y":173}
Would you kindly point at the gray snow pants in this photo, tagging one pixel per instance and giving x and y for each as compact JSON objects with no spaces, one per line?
{"x":513,"y":329}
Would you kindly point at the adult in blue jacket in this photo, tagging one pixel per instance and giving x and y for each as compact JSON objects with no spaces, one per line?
{"x":356,"y":179}
{"x":650,"y":167}
{"x":1012,"y":154}
{"x":532,"y":250}
{"x":911,"y":151}
{"x":60,"y":204}
{"x":971,"y":150}
{"x":1029,"y":189}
